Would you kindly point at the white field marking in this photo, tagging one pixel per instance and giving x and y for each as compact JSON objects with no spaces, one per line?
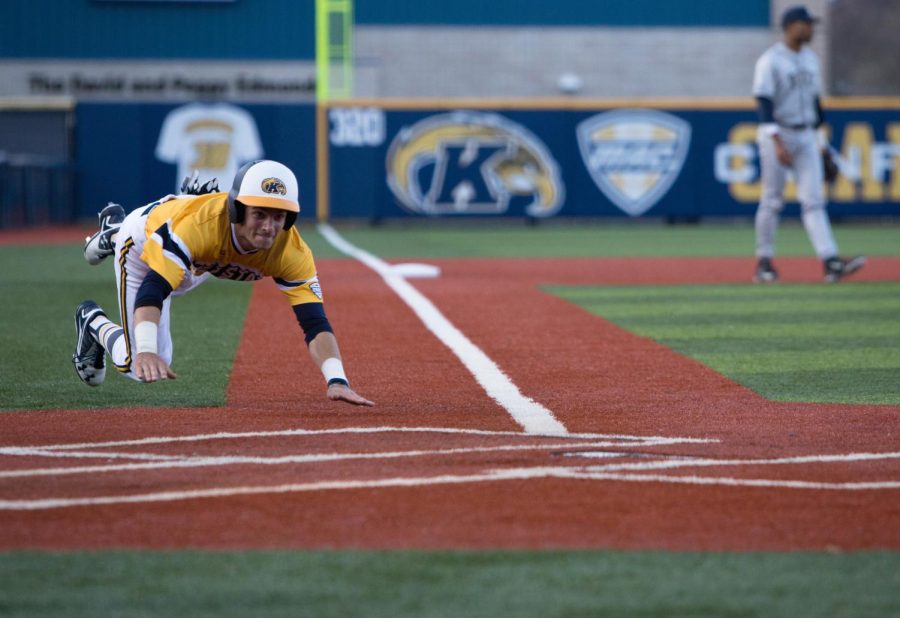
{"x":494,"y":475}
{"x":224,"y":492}
{"x":532,"y":416}
{"x":417,"y":271}
{"x":196,"y":461}
{"x":670,"y":464}
{"x":727,"y":481}
{"x":33,"y":451}
{"x":642,"y":440}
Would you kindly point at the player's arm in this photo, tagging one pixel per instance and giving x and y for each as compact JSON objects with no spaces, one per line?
{"x":323,"y":349}
{"x":765,"y":90}
{"x":148,"y":365}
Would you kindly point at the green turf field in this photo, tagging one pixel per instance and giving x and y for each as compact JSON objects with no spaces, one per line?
{"x":816,"y":343}
{"x":206,"y":325}
{"x":591,"y":238}
{"x":795,"y":342}
{"x":450,"y":584}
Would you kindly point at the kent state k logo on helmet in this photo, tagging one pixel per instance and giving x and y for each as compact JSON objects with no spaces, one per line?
{"x":273,"y":185}
{"x":634,"y":155}
{"x":473,"y":163}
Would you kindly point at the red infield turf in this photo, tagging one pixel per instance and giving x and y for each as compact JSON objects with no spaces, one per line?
{"x":660,"y":451}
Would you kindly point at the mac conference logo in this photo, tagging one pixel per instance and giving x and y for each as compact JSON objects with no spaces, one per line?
{"x":634,"y":155}
{"x":473,"y":163}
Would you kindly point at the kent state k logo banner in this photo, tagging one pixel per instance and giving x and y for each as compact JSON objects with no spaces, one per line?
{"x":473,"y":163}
{"x":634,"y":155}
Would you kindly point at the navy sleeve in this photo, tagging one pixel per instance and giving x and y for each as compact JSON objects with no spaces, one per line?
{"x":153,"y":291}
{"x":820,"y":115}
{"x":765,"y":109}
{"x":312,"y":319}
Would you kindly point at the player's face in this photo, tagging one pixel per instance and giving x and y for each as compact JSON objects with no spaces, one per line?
{"x":801,"y":31}
{"x":260,"y":227}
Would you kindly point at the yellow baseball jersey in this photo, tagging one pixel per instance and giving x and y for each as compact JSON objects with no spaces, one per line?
{"x":193,"y":234}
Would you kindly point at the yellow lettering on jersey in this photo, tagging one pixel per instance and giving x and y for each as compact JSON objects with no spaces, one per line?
{"x":856,"y":150}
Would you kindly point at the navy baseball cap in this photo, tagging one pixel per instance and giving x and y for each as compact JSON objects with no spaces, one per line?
{"x":796,"y":13}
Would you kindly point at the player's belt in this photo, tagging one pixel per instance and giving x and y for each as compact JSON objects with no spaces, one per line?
{"x":798,"y":127}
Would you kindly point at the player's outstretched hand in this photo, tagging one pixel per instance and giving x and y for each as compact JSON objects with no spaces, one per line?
{"x":339,"y":392}
{"x":150,"y":367}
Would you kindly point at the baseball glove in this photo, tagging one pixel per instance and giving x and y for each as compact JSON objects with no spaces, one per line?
{"x":830,"y":167}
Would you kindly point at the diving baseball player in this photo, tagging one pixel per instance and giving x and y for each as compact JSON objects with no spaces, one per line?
{"x":787,"y":86}
{"x":169,"y":247}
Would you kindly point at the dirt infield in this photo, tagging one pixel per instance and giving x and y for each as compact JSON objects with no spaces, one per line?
{"x":660,"y":451}
{"x":46,"y":235}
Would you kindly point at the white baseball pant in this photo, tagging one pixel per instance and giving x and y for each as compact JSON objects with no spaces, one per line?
{"x":808,"y":172}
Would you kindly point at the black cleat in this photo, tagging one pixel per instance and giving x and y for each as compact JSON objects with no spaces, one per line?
{"x":765,"y":272}
{"x":88,"y":358}
{"x":100,"y":245}
{"x":837,"y":268}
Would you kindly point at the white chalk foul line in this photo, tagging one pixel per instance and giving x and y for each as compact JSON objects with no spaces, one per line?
{"x":532,"y":416}
{"x":489,"y":476}
{"x":690,"y":462}
{"x":225,"y":492}
{"x":31,"y":451}
{"x":196,"y":461}
{"x":730,"y":481}
{"x":242,"y":435}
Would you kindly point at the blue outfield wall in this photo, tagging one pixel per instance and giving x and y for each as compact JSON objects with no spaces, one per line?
{"x":617,"y":13}
{"x":613,"y":162}
{"x":387,"y":160}
{"x":115,"y":29}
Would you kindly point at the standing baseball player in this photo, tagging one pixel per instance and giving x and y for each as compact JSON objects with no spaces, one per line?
{"x":787,"y":87}
{"x":169,"y":247}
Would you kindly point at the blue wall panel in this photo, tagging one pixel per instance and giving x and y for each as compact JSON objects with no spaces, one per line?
{"x":285,"y":29}
{"x":749,"y":13}
{"x":243,"y":29}
{"x":115,"y":146}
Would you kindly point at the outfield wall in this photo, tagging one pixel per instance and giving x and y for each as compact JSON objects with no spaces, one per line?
{"x":118,"y":154}
{"x":381,"y":159}
{"x":643,"y":158}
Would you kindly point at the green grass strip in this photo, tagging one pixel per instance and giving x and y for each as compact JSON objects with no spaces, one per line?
{"x":39,"y":290}
{"x":449,"y":584}
{"x":591,"y":238}
{"x":817,"y":343}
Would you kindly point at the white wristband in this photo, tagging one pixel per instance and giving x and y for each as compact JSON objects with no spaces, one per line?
{"x":333,"y":370}
{"x":145,"y":337}
{"x":769,"y":129}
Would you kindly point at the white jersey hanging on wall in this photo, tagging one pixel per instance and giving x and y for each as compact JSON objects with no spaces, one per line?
{"x":214,"y":139}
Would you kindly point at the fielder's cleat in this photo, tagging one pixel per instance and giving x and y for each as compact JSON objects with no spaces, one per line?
{"x":765,"y":272}
{"x":88,"y":358}
{"x":100,"y":245}
{"x":191,"y":185}
{"x":837,"y":268}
